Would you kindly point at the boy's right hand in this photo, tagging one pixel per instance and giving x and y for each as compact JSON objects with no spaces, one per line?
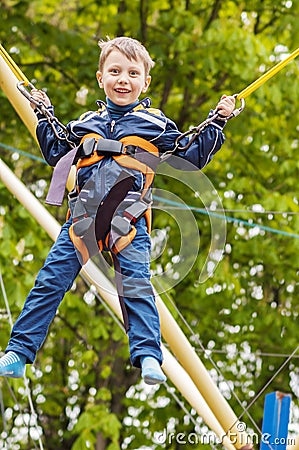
{"x":39,"y":96}
{"x":226,"y":105}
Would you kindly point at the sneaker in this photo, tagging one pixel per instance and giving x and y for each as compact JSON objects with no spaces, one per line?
{"x":151,"y":371}
{"x":12,"y":365}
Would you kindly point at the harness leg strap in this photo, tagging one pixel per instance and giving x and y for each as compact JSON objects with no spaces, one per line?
{"x":119,"y":287}
{"x":121,"y":225}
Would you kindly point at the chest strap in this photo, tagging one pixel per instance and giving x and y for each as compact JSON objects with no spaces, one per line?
{"x":93,"y":148}
{"x":131,"y":151}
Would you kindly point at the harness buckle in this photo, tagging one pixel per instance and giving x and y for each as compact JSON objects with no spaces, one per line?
{"x":121,"y":225}
{"x":130,"y":150}
{"x":87,"y":148}
{"x":109,"y":146}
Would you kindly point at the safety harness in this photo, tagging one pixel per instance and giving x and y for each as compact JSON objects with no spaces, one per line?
{"x":94,"y":211}
{"x":103,"y":217}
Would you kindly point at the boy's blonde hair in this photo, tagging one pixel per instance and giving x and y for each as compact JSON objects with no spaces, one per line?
{"x":129,"y":47}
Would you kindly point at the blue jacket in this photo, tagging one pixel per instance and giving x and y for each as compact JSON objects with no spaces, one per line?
{"x":142,"y":121}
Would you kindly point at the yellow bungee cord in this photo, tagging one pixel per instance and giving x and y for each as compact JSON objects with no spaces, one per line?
{"x":13,"y":66}
{"x":267,"y":75}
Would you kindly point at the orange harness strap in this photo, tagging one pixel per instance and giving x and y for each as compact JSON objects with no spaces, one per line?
{"x":94,"y":158}
{"x":128,"y":161}
{"x":124,"y":160}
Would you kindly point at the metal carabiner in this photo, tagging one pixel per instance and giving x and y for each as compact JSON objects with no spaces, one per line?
{"x":39,"y":105}
{"x":42,"y":108}
{"x":195,"y":131}
{"x":237,"y":111}
{"x":21,"y":86}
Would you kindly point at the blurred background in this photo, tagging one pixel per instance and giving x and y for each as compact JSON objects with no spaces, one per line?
{"x":245,"y":314}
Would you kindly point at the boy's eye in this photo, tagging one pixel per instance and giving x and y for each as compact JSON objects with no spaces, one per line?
{"x":133,"y":73}
{"x":114,"y":71}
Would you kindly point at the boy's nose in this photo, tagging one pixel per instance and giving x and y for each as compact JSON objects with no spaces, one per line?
{"x":123,"y":79}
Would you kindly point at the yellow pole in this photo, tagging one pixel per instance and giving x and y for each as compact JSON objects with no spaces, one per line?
{"x":266,"y":76}
{"x":295,"y":444}
{"x":190,"y":361}
{"x":8,"y":83}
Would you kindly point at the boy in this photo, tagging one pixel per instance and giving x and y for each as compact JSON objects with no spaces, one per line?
{"x":109,"y":173}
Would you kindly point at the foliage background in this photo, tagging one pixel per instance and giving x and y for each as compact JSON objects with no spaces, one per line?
{"x":84,"y":390}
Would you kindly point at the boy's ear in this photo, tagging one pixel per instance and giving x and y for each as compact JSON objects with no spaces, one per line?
{"x":99,"y":78}
{"x":148,"y":80}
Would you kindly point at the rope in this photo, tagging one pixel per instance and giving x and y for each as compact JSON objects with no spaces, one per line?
{"x":227,"y":210}
{"x":231,"y":219}
{"x":257,"y":353}
{"x":266,"y":76}
{"x":2,"y":411}
{"x":6,"y":300}
{"x":25,"y":379}
{"x":21,"y":152}
{"x":269,"y":382}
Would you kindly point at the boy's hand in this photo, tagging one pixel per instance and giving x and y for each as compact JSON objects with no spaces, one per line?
{"x":226,"y":105}
{"x":39,"y":96}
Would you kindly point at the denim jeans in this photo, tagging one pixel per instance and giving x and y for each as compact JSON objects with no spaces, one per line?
{"x":57,"y":276}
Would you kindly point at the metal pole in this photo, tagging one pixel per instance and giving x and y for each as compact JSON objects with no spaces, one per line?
{"x":8,"y":83}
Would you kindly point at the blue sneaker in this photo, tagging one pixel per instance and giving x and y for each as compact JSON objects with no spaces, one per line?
{"x":151,"y":371}
{"x":12,"y":365}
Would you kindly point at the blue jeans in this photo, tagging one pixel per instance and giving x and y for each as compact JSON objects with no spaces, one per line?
{"x":57,"y":276}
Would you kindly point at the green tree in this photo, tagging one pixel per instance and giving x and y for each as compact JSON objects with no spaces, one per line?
{"x":246,"y":314}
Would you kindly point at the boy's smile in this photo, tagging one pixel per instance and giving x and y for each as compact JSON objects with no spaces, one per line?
{"x":123,"y":80}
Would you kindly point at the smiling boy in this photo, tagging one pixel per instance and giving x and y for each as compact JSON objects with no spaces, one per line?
{"x":145,"y":134}
{"x":122,"y":79}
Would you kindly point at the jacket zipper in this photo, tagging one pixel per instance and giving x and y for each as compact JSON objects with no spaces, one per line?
{"x":112,"y":126}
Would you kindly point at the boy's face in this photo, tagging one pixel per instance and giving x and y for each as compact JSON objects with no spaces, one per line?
{"x":123,"y":80}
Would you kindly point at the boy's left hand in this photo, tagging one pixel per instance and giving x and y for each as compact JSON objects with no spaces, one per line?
{"x":226,"y":105}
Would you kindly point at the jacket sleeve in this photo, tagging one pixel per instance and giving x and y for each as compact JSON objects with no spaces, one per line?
{"x":51,"y":147}
{"x":202,"y":149}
